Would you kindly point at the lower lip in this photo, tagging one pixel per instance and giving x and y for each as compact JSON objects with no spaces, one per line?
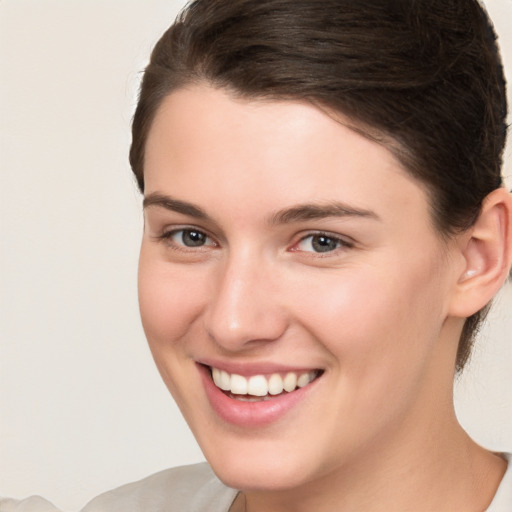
{"x":250,"y":414}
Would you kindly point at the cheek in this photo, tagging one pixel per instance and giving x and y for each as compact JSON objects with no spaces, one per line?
{"x":381,"y":333}
{"x":366,"y":315}
{"x":169,"y":301}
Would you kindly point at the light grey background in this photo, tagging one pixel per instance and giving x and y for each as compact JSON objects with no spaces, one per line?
{"x":82,"y":408}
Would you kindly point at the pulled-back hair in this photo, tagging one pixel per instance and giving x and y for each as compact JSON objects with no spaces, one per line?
{"x":422,"y":77}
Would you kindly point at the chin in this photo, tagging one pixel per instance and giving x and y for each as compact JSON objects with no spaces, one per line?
{"x":260,"y":468}
{"x":248,"y":477}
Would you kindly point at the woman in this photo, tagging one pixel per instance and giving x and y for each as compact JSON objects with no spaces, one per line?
{"x":325,"y":226}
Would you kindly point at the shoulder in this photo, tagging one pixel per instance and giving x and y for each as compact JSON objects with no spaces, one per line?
{"x":186,"y":488}
{"x":502,"y":501}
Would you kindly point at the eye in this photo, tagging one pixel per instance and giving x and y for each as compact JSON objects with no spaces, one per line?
{"x":321,"y":243}
{"x":189,"y":238}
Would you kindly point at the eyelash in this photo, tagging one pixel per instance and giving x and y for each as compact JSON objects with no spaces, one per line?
{"x":169,"y":235}
{"x":338,"y":242}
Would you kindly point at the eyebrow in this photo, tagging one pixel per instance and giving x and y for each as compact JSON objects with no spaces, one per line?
{"x":174,"y":205}
{"x":313,"y":211}
{"x":298,"y":213}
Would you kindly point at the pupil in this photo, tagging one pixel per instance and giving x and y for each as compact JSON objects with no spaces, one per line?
{"x":193,"y":238}
{"x":323,"y":244}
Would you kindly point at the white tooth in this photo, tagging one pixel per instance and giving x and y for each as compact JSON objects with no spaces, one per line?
{"x":238,"y":385}
{"x":275,"y":384}
{"x":224,"y":380}
{"x":290,"y":382}
{"x":257,"y":386}
{"x":303,"y":380}
{"x":216,"y":376}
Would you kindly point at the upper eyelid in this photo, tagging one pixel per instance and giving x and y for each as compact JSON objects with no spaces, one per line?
{"x":335,"y":236}
{"x":170,"y":232}
{"x":159,"y":216}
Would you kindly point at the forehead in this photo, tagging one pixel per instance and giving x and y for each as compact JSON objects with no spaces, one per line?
{"x":207,"y":145}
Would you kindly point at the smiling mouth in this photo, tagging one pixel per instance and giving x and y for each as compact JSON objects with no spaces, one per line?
{"x":257,"y":388}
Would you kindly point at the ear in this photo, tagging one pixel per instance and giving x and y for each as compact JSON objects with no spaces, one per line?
{"x":487,"y":255}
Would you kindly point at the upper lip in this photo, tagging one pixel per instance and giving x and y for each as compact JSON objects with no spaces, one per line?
{"x":255,"y":368}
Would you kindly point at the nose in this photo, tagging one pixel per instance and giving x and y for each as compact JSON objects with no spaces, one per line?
{"x":244,"y":308}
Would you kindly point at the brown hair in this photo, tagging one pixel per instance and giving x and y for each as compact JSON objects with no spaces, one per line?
{"x":423,"y":77}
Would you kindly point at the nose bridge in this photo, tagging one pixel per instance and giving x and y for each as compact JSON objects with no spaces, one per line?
{"x":244,"y":306}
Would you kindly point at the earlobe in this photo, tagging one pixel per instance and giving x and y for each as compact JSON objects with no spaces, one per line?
{"x":487,"y":255}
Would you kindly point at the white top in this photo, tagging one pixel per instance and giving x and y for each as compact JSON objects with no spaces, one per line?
{"x":185,"y":489}
{"x":191,"y":489}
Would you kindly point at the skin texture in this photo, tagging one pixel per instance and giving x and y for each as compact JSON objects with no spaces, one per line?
{"x":380,"y":314}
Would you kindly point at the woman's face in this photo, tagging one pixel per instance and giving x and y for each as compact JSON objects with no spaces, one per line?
{"x":281,"y":246}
